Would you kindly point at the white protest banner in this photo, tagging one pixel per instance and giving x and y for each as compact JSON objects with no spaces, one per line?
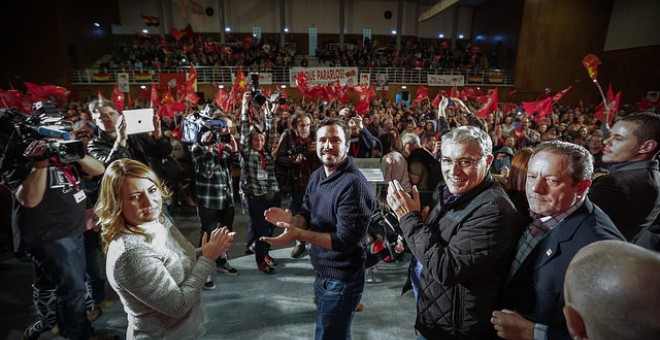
{"x":325,"y":75}
{"x":365,"y":78}
{"x":265,"y":78}
{"x":445,"y":80}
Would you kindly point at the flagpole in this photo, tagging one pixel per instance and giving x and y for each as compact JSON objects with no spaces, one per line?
{"x":605,"y":104}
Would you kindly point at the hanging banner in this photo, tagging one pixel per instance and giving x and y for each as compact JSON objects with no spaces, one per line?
{"x":445,"y":80}
{"x":122,"y":82}
{"x":365,"y":78}
{"x":325,"y":75}
{"x":171,"y":80}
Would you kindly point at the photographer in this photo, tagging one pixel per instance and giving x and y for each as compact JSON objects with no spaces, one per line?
{"x":363,"y":143}
{"x":113,"y":143}
{"x":297,"y":153}
{"x":48,"y":222}
{"x":258,"y":181}
{"x":213,"y":157}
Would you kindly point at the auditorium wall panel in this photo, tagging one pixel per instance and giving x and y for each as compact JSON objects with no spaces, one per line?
{"x":554,"y":37}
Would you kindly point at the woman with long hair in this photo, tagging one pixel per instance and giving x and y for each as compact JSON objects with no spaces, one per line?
{"x":515,"y":185}
{"x":157,"y":273}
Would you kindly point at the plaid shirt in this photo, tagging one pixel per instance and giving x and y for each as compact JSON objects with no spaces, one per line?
{"x":253,"y":162}
{"x":215,"y":188}
{"x":536,"y":232}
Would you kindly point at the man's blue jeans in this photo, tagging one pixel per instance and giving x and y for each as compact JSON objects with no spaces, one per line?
{"x":60,"y":265}
{"x":336,"y":302}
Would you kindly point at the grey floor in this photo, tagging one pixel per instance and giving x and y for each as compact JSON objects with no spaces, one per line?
{"x":251,"y":305}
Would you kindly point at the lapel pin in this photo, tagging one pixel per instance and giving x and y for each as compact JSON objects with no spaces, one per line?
{"x":548,"y":252}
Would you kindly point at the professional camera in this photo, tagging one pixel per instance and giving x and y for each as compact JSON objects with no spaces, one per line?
{"x":258,"y":96}
{"x":43,"y":123}
{"x":297,"y":150}
{"x":215,"y":125}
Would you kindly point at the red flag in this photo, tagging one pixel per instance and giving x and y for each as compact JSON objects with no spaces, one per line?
{"x":591,"y":62}
{"x":436,"y":101}
{"x":154,"y":96}
{"x":542,"y":107}
{"x":561,"y":93}
{"x":176,"y":34}
{"x":130,"y":100}
{"x":192,"y":78}
{"x":489,"y":105}
{"x":44,"y":91}
{"x":343,"y":94}
{"x":512,"y":93}
{"x":453,"y":92}
{"x":221,"y":98}
{"x":118,"y":98}
{"x":422,"y":94}
{"x":508,"y":107}
{"x":612,"y":103}
{"x":240,"y":83}
{"x":365,"y":93}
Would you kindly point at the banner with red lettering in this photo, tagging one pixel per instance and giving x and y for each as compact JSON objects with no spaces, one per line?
{"x":325,"y":75}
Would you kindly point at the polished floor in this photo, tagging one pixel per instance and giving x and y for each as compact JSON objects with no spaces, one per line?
{"x":251,"y":305}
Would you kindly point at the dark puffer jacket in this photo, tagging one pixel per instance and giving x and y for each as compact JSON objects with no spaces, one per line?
{"x":466,"y":248}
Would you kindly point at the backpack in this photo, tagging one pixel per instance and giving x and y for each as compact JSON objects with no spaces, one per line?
{"x":432,"y":165}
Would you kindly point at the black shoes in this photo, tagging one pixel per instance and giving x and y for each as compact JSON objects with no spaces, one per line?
{"x":298,"y":250}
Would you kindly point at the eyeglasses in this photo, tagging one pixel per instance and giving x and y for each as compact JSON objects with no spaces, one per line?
{"x":462,"y":162}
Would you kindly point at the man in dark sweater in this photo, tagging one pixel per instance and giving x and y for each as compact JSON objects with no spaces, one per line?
{"x":334,"y":217}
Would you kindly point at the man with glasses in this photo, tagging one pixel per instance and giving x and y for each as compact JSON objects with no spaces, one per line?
{"x":465,"y":244}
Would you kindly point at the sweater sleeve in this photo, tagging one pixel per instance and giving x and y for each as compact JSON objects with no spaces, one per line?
{"x":354,"y":209}
{"x":142,"y":274}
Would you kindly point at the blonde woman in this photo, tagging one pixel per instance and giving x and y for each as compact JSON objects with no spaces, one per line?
{"x":155,"y":270}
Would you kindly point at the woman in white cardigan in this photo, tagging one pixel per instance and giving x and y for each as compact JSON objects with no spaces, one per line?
{"x":155,"y":270}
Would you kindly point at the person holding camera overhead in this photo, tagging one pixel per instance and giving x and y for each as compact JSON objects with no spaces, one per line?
{"x":213,"y":157}
{"x":258,"y":181}
{"x":296,"y":152}
{"x":48,"y":222}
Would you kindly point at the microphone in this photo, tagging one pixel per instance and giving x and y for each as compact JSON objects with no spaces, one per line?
{"x":53,"y":133}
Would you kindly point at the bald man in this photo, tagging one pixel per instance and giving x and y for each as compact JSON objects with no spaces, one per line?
{"x":611,"y":292}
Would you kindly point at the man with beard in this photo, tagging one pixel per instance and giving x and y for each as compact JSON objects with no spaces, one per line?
{"x":630,"y":194}
{"x":295,"y":153}
{"x":334,"y":218}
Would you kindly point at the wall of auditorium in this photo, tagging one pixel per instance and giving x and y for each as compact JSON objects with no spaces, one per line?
{"x":243,"y":15}
{"x":633,"y":23}
{"x":555,"y":35}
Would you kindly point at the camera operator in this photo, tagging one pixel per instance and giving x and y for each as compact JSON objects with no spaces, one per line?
{"x":296,"y":152}
{"x":113,"y":143}
{"x":48,"y":222}
{"x":213,"y":157}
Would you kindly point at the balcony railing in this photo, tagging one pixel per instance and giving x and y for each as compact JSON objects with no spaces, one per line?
{"x":280,"y":75}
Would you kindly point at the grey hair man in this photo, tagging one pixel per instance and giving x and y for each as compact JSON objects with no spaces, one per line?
{"x":465,"y":245}
{"x":563,"y":221}
{"x":607,"y":293}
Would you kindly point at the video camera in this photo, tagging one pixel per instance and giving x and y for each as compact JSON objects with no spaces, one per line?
{"x":297,"y":150}
{"x":215,"y":125}
{"x":44,"y":122}
{"x":258,"y":96}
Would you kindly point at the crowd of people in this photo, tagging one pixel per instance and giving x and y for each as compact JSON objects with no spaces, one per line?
{"x":493,"y":211}
{"x":144,"y":54}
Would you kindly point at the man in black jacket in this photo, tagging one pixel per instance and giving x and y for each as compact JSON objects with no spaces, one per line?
{"x":564,"y":220}
{"x":630,"y":194}
{"x":465,"y":245}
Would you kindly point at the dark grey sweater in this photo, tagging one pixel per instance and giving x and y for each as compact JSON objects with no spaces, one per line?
{"x":340,"y":204}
